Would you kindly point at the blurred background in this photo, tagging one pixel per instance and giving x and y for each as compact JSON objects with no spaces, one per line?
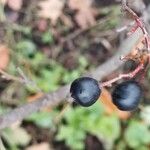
{"x":53,"y":42}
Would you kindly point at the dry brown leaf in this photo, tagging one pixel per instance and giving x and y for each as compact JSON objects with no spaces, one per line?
{"x":42,"y":25}
{"x":15,"y":4}
{"x":4,"y":56}
{"x":51,"y":9}
{"x":67,"y":20}
{"x":85,"y":15}
{"x":138,"y":45}
{"x":42,"y":146}
{"x":110,"y":107}
{"x":85,"y":19}
{"x":79,"y":4}
{"x":34,"y":97}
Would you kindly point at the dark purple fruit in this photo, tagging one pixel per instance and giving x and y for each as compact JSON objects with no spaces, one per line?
{"x":85,"y":91}
{"x":126,"y":96}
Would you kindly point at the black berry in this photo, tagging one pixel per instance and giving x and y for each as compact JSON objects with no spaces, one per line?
{"x":126,"y":96}
{"x":85,"y":91}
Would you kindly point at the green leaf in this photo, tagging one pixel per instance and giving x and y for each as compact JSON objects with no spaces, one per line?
{"x":3,"y":109}
{"x":69,"y":76}
{"x":50,"y":79}
{"x":64,"y":132}
{"x":145,"y":115}
{"x":142,"y":147}
{"x":107,"y":127}
{"x":78,"y":120}
{"x":24,"y":29}
{"x":83,"y":62}
{"x":121,"y":145}
{"x":42,"y":119}
{"x":47,"y":37}
{"x":137,"y":134}
{"x":83,"y":116}
{"x":37,"y":60}
{"x":73,"y":138}
{"x":26,"y":47}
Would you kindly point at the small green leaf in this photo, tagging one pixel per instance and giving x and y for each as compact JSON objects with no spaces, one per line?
{"x":108,"y":127}
{"x":24,"y":29}
{"x":137,"y":134}
{"x":121,"y":145}
{"x":42,"y":119}
{"x":83,"y":62}
{"x":73,"y":138}
{"x":26,"y":47}
{"x":64,"y":133}
{"x":69,"y":76}
{"x":79,"y":120}
{"x":145,"y":115}
{"x":47,"y":37}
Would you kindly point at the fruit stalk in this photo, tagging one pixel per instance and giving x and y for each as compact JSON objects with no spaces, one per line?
{"x":121,"y":76}
{"x":139,"y":23}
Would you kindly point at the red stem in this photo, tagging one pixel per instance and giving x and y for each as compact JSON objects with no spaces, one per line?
{"x":121,"y":76}
{"x":139,"y":22}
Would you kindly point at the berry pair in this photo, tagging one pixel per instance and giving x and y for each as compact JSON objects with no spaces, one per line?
{"x":126,"y":96}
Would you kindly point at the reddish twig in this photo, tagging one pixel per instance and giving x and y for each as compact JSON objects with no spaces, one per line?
{"x":121,"y":76}
{"x":139,"y":23}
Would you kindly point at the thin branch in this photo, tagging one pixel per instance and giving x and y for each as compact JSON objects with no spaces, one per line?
{"x":125,"y":7}
{"x":54,"y":98}
{"x":139,"y":23}
{"x":125,"y":75}
{"x":80,"y":31}
{"x":27,"y":81}
{"x":23,"y":79}
{"x":10,"y":77}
